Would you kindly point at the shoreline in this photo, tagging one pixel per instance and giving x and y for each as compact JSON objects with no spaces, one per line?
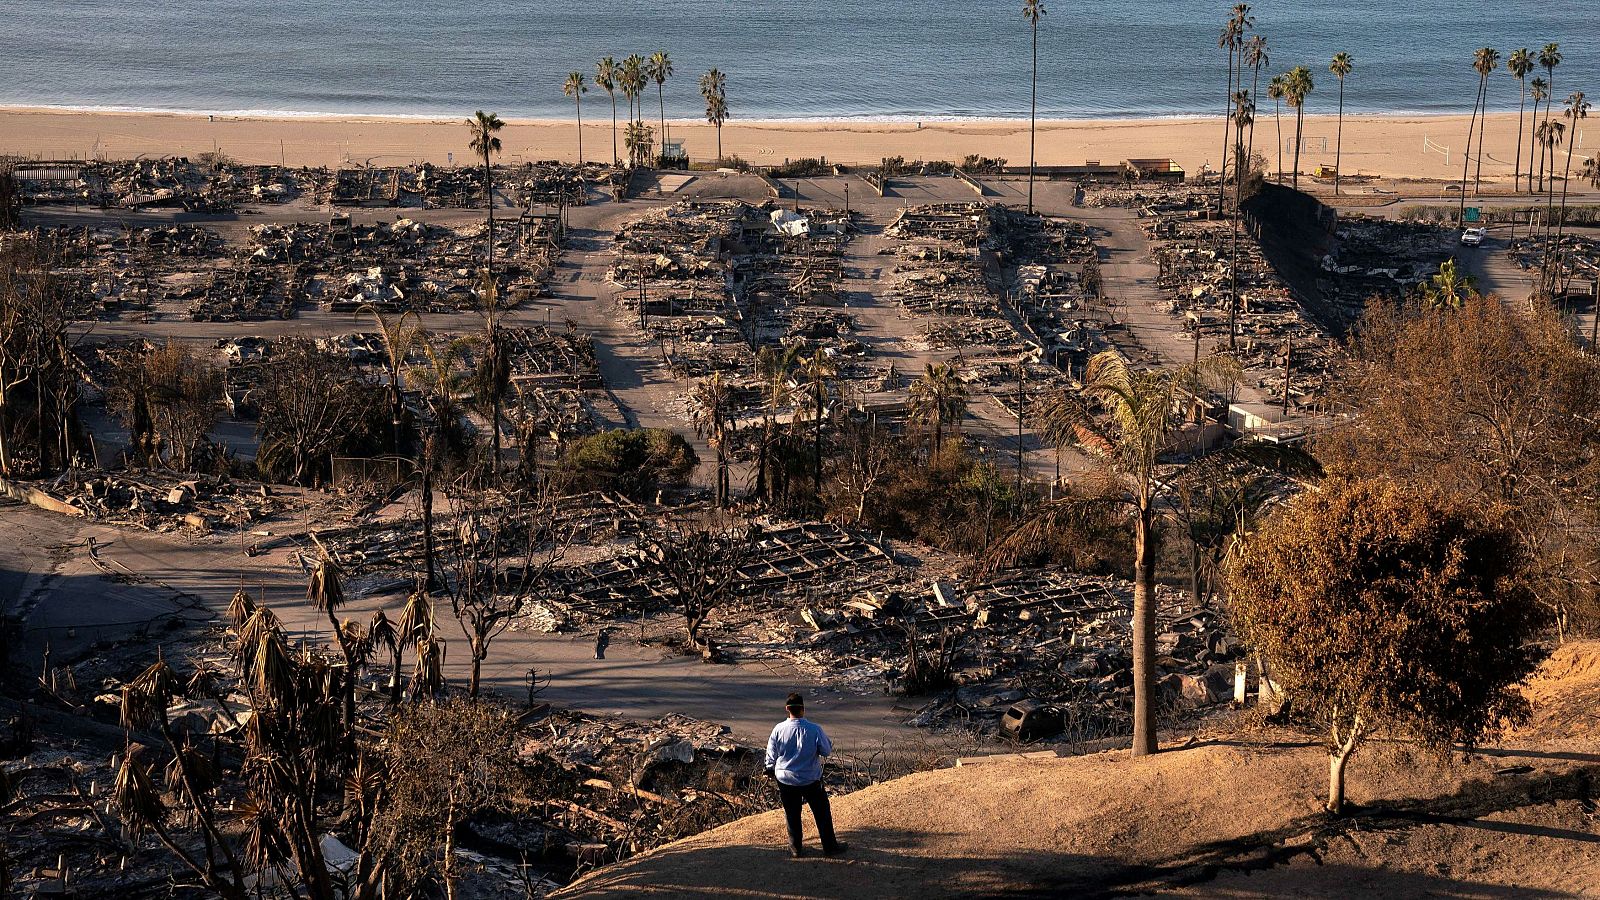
{"x":1381,"y":145}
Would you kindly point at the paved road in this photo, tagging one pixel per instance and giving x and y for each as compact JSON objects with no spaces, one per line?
{"x":71,"y":605}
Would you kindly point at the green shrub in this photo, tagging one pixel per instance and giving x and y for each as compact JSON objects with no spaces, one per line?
{"x":636,"y":462}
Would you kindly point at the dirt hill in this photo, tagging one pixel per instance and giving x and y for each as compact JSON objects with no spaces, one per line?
{"x":1230,"y":817}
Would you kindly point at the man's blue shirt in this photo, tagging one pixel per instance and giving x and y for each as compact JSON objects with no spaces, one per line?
{"x":795,"y":751}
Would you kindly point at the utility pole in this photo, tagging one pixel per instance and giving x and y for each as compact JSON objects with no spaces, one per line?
{"x":1288,"y":356}
{"x":1022,"y":374}
{"x":642,"y":299}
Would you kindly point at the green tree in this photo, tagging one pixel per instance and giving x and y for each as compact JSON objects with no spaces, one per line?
{"x":714,"y":89}
{"x":1033,"y":11}
{"x":1450,"y":288}
{"x":659,"y":68}
{"x":1143,"y":409}
{"x":484,"y":127}
{"x":1297,"y":87}
{"x":711,"y":408}
{"x":640,"y":142}
{"x":1278,"y":89}
{"x":605,"y":78}
{"x":1484,"y":62}
{"x":1538,"y":90}
{"x":938,"y":401}
{"x":636,"y":462}
{"x":1255,"y":56}
{"x":575,"y":87}
{"x":775,"y":368}
{"x":1519,"y":64}
{"x":817,"y":373}
{"x":633,"y":82}
{"x":1380,"y":607}
{"x":1549,"y":58}
{"x":1341,"y":66}
{"x":1577,"y":110}
{"x":1232,"y":40}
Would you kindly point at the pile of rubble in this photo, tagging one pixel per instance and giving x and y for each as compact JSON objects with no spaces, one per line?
{"x":157,"y":500}
{"x":1373,"y":257}
{"x":1153,"y":199}
{"x":1275,"y":331}
{"x":1052,"y":637}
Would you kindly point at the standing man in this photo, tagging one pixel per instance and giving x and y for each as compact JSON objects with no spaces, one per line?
{"x":794,"y":758}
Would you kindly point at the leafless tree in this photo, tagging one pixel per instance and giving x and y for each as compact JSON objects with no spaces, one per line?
{"x":700,"y":564}
{"x":504,"y":550}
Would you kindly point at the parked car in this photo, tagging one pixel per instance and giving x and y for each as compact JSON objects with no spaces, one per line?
{"x":1473,"y":237}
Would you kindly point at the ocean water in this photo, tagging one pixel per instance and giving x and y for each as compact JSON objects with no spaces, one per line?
{"x":783,"y":58}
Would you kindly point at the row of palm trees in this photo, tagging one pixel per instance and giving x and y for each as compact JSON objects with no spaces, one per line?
{"x":631,"y":77}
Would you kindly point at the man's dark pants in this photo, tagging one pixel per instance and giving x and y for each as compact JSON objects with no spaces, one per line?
{"x":814,"y":796}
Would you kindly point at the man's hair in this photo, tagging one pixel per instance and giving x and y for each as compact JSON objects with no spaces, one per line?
{"x":795,"y":701}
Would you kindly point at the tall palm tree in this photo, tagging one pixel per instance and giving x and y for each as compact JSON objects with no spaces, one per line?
{"x":1255,"y":56}
{"x":1549,"y":134}
{"x":1297,"y":88}
{"x":1549,"y":58}
{"x":1485,"y":61}
{"x":484,"y":127}
{"x":1033,"y":11}
{"x":1278,"y":89}
{"x":1539,"y":90}
{"x":818,"y":372}
{"x":1244,"y":116}
{"x":710,"y":406}
{"x":575,"y":88}
{"x":1141,"y":405}
{"x":1232,"y":40}
{"x":1341,"y":66}
{"x":938,"y":400}
{"x":1519,"y":64}
{"x":714,"y":88}
{"x":605,"y":78}
{"x":659,"y":69}
{"x":1577,"y":110}
{"x":633,"y":80}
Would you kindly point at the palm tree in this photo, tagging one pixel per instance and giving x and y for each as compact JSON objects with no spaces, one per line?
{"x":938,"y":399}
{"x":605,"y":78}
{"x":1244,"y":116}
{"x":639,"y":140}
{"x":326,"y":595}
{"x":1298,"y":86}
{"x":575,"y":88}
{"x":1549,"y":58}
{"x":484,"y":143}
{"x":399,"y":339}
{"x":1142,"y":407}
{"x":714,"y":88}
{"x":1519,"y":64}
{"x":1278,"y":89}
{"x":710,"y":404}
{"x":1232,"y":40}
{"x":1485,"y":62}
{"x":774,"y":366}
{"x":1341,"y":66}
{"x":1255,"y":56}
{"x":1577,"y":110}
{"x":660,"y":69}
{"x":1539,"y":90}
{"x":818,"y":373}
{"x":632,"y":81}
{"x":1033,"y":11}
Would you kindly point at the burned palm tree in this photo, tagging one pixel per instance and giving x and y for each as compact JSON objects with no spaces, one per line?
{"x":325,"y":592}
{"x":711,"y":408}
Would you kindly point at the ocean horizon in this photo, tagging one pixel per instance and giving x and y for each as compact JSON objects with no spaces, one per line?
{"x":799,"y":61}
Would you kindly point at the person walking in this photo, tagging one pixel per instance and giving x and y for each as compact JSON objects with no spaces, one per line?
{"x":794,"y":758}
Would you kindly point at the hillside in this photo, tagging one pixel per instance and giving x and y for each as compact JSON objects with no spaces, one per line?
{"x":1229,"y":816}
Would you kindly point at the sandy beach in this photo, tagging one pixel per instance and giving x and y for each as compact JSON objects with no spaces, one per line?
{"x":1415,"y":146}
